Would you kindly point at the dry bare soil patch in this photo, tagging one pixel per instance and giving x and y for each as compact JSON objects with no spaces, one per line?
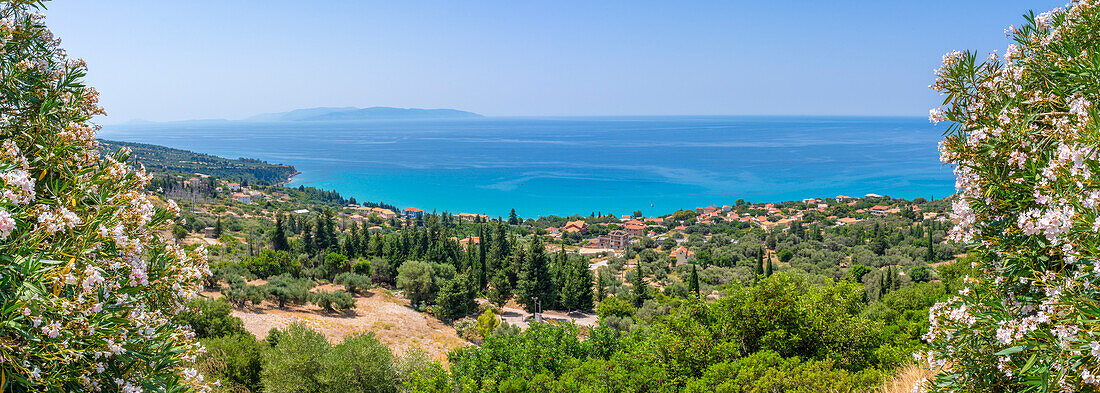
{"x":389,"y":317}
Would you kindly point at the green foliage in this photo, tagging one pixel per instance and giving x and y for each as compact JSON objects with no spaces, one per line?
{"x":353,"y":282}
{"x":233,"y":360}
{"x":613,"y":306}
{"x":270,"y":263}
{"x":383,"y":271}
{"x":210,"y":318}
{"x":332,"y":301}
{"x":920,"y":273}
{"x":535,"y":280}
{"x":294,"y":364}
{"x":421,"y":280}
{"x":168,"y":160}
{"x":487,"y":322}
{"x":240,"y":293}
{"x":359,"y":364}
{"x":285,"y":289}
{"x":455,"y":299}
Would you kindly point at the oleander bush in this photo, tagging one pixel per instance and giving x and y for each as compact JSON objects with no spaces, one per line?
{"x":1022,"y":139}
{"x":89,"y":277}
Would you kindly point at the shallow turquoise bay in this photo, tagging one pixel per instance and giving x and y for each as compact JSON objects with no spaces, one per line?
{"x":565,"y":166}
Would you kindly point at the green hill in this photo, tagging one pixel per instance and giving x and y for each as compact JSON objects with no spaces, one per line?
{"x":160,"y":159}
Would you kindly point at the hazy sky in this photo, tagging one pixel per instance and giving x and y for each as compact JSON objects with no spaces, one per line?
{"x":160,"y":60}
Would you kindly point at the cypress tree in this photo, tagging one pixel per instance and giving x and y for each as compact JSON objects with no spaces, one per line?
{"x":641,"y":289}
{"x":694,"y":287}
{"x":768,"y":268}
{"x":759,"y":262}
{"x":930,"y":255}
{"x":218,"y":228}
{"x":601,"y":286}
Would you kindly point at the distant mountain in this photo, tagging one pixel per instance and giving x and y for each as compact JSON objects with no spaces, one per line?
{"x":372,"y":113}
{"x":299,"y":114}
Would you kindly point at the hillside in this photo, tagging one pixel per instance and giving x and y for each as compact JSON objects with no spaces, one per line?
{"x":168,"y":160}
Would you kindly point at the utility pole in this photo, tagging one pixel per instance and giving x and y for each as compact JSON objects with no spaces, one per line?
{"x":538,"y":309}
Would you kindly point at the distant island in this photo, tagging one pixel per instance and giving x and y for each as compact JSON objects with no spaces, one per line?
{"x":359,"y":114}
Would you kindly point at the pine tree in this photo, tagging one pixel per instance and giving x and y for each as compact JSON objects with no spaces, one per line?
{"x":694,"y":287}
{"x":534,"y":278}
{"x":278,"y":239}
{"x":513,"y":218}
{"x":308,"y":244}
{"x":501,"y":289}
{"x":576,"y":291}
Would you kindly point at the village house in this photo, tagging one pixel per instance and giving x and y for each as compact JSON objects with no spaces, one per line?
{"x":578,"y":226}
{"x":243,"y":198}
{"x":879,"y":210}
{"x":682,"y":255}
{"x":847,"y":221}
{"x":233,"y":186}
{"x":634,"y":229}
{"x":472,"y":217}
{"x":615,"y":240}
{"x":842,"y":198}
{"x":209,"y":232}
{"x":411,"y":212}
{"x":467,"y":241}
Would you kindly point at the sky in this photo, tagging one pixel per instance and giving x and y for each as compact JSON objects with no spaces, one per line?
{"x":199,"y":59}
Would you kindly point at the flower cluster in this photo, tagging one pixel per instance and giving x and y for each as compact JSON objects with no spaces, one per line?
{"x":1023,"y":139}
{"x":88,"y":282}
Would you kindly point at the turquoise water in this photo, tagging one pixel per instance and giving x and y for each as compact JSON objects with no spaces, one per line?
{"x":564,"y":166}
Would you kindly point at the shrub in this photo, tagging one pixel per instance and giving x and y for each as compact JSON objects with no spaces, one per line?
{"x":1022,"y":138}
{"x":233,"y":360}
{"x":421,"y":280}
{"x":382,"y":271}
{"x":920,"y":273}
{"x":294,"y":364}
{"x":332,"y":301}
{"x":83,"y":267}
{"x":285,"y":289}
{"x":613,"y":306}
{"x":487,"y":322}
{"x":210,"y":318}
{"x":359,"y":364}
{"x":353,"y":282}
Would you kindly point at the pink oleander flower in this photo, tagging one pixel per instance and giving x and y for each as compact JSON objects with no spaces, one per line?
{"x":935,"y":115}
{"x":7,"y":224}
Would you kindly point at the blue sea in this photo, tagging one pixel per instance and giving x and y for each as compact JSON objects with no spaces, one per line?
{"x":563,"y":166}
